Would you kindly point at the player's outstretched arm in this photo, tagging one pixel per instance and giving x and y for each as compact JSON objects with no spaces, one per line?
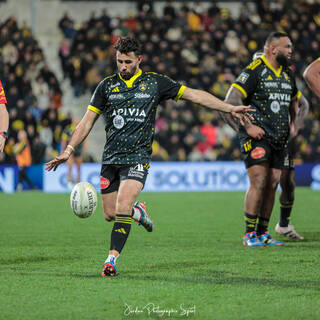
{"x":4,"y":124}
{"x":312,"y":76}
{"x":82,"y":130}
{"x":208,"y":100}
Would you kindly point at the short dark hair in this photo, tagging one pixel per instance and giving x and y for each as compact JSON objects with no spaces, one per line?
{"x":128,"y":44}
{"x":274,"y":36}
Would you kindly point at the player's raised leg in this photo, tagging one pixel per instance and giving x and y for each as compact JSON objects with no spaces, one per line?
{"x":139,"y":214}
{"x":139,"y":210}
{"x":127,"y":194}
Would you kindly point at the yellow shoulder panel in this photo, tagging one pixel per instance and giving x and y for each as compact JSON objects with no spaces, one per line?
{"x":254,"y":64}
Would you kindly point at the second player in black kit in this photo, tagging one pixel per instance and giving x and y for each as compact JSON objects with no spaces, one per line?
{"x":270,"y":92}
{"x":267,"y":84}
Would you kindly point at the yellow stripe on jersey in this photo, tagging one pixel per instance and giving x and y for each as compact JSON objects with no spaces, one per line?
{"x":276,"y":72}
{"x":240,"y":89}
{"x":318,"y":59}
{"x":148,"y":72}
{"x":254,"y":64}
{"x":298,"y":95}
{"x":180,"y":93}
{"x":130,"y":82}
{"x":94,"y":109}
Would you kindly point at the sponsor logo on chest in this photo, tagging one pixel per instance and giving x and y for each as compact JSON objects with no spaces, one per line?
{"x":280,"y":96}
{"x":114,"y":85}
{"x":142,"y":95}
{"x":270,"y":84}
{"x":286,"y":86}
{"x":133,"y":112}
{"x":116,"y":96}
{"x":275,"y":106}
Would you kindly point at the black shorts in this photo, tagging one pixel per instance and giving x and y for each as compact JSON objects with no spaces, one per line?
{"x":258,"y":151}
{"x":112,"y":174}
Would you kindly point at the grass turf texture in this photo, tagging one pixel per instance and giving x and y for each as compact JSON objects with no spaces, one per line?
{"x":50,"y":261}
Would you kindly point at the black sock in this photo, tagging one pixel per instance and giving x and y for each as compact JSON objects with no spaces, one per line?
{"x":251,"y":221}
{"x":262,"y":226}
{"x":285,"y":212}
{"x":120,"y":232}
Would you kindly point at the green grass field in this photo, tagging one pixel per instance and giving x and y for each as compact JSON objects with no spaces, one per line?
{"x":50,"y":262}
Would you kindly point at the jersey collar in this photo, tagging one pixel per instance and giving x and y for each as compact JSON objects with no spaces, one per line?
{"x":130,"y":82}
{"x":267,"y":63}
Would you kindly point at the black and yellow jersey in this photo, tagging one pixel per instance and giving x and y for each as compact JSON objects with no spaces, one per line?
{"x":270,"y":92}
{"x":129,"y":111}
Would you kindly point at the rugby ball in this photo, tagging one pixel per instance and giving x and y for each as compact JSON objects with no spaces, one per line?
{"x":83,"y":200}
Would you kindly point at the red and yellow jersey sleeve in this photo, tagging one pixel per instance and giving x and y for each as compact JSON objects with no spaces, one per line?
{"x":2,"y":95}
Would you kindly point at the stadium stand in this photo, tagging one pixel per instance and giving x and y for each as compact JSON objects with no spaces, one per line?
{"x":204,"y":46}
{"x":33,"y":93}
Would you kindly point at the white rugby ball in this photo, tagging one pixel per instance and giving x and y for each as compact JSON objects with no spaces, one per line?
{"x":83,"y":199}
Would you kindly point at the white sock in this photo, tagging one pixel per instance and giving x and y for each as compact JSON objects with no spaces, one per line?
{"x":136,"y":214}
{"x":112,"y":257}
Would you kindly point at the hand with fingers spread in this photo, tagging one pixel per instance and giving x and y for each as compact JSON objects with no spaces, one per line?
{"x":54,"y":164}
{"x":242,"y":114}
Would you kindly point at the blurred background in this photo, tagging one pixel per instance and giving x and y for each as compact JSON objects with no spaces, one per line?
{"x":53,"y":53}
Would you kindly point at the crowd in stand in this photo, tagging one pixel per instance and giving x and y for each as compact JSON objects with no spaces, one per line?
{"x":33,"y":94}
{"x":203,"y":47}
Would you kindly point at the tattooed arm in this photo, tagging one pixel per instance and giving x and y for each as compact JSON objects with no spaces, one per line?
{"x":301,"y":109}
{"x":235,"y":97}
